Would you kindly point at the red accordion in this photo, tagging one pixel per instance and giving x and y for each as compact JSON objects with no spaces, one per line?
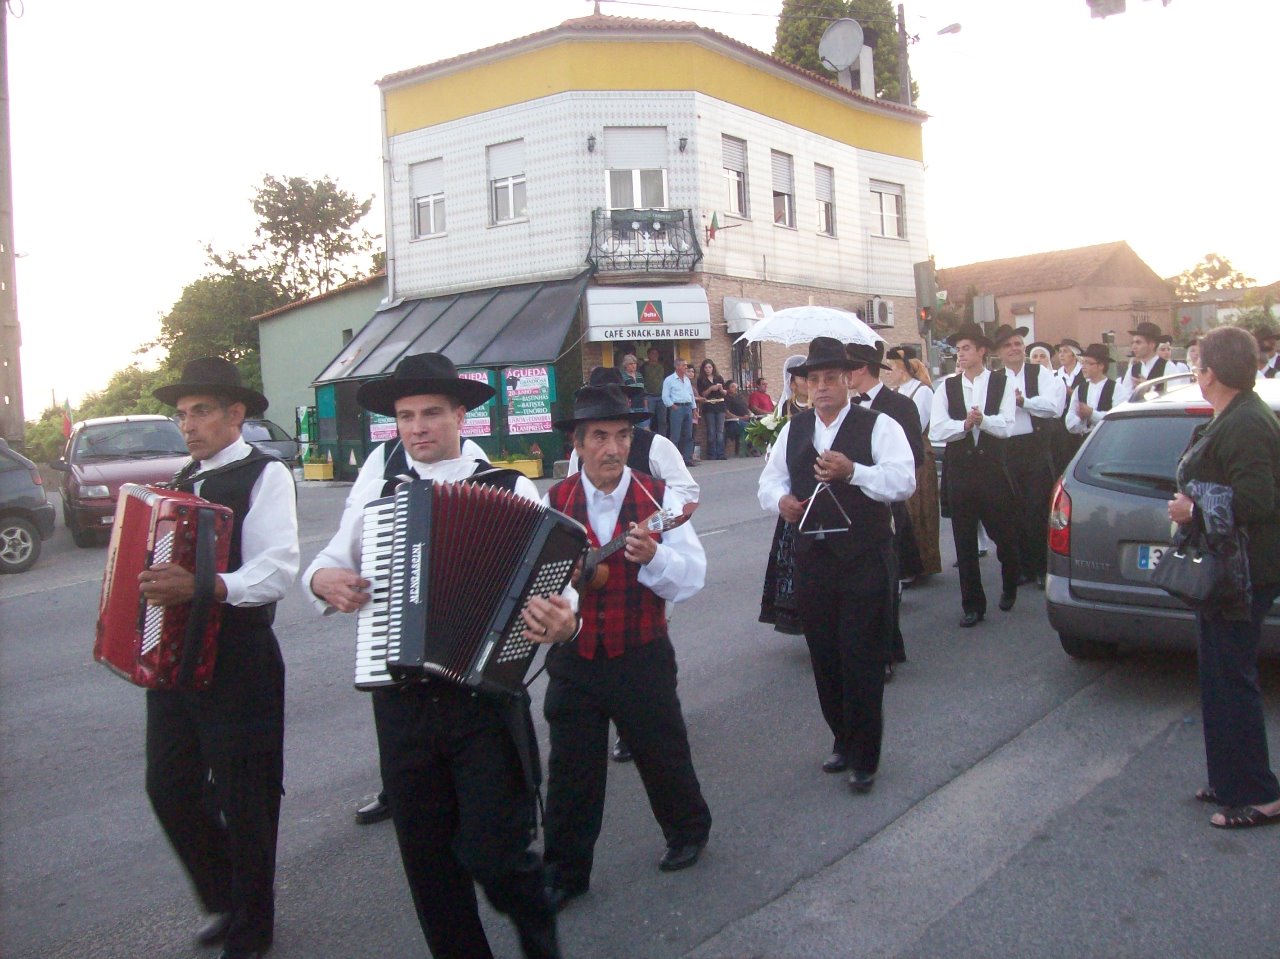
{"x":162,"y":647}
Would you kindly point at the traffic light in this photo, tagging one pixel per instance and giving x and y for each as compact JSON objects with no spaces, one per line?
{"x":925,"y":320}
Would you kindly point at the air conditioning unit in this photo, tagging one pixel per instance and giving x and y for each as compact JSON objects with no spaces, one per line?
{"x":879,"y":312}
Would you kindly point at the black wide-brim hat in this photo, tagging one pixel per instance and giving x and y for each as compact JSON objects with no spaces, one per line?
{"x":1098,"y":353}
{"x":1071,"y":345}
{"x":903,"y":353}
{"x":970,"y":331}
{"x":1266,"y":333}
{"x":866,"y":354}
{"x":419,"y":375}
{"x":601,"y":403}
{"x":1004,"y":332}
{"x":212,"y":376}
{"x":1148,"y":331}
{"x":825,"y":353}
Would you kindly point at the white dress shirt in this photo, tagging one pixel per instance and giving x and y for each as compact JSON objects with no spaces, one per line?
{"x":678,"y":568}
{"x":1068,"y":376}
{"x":1093,"y":393}
{"x":943,"y":429}
{"x":1047,"y":405}
{"x":922,"y":396}
{"x":1145,"y":366}
{"x":343,"y":551}
{"x":666,"y":464}
{"x":268,"y":536}
{"x":890,"y":479}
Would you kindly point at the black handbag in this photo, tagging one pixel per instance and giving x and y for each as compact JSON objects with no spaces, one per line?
{"x":1191,"y":572}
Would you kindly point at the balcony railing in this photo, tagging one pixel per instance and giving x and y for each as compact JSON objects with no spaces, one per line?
{"x":643,"y":241}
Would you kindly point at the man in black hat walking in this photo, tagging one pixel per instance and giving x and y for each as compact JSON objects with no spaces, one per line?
{"x":1070,"y":371}
{"x":622,"y":666}
{"x":1097,"y":395}
{"x":1039,"y":401}
{"x":840,"y":467}
{"x":1147,"y":363}
{"x":461,"y":792}
{"x":973,"y":412}
{"x":215,"y":758}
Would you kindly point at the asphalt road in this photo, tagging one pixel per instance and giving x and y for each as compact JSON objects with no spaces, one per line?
{"x":1028,"y":804}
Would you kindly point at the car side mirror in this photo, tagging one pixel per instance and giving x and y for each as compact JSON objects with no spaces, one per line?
{"x":61,"y":465}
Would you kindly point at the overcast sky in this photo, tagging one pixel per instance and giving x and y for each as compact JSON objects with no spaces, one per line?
{"x":141,"y":128}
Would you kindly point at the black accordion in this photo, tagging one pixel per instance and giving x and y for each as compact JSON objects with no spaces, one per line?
{"x":451,"y":567}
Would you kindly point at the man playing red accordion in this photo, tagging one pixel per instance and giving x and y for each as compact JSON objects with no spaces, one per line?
{"x":460,"y":800}
{"x":215,"y":758}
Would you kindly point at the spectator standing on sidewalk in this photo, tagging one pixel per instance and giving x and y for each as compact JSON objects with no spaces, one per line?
{"x":653,"y":373}
{"x":710,"y":388}
{"x":678,"y":398}
{"x":736,"y":417}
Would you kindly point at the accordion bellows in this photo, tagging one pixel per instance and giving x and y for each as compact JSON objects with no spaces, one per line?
{"x":451,"y":567}
{"x":156,"y":647}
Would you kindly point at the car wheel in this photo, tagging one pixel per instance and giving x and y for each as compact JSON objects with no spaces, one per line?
{"x":1079,"y":648}
{"x":19,"y":544}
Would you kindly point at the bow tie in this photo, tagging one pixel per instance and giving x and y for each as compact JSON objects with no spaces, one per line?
{"x":861,"y":398}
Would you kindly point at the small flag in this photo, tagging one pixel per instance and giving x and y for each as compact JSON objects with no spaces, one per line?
{"x":715,"y":225}
{"x":66,"y":419}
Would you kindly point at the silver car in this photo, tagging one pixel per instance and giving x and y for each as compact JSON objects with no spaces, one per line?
{"x":1110,"y":524}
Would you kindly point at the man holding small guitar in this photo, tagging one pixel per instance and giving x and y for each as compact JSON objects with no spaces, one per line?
{"x":622,"y":665}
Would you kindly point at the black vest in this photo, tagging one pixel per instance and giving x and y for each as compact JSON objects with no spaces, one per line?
{"x":1105,"y":398}
{"x":1157,"y":370}
{"x":638,"y":458}
{"x":903,"y":410}
{"x":397,"y":466}
{"x":230,"y":486}
{"x":870,"y":522}
{"x":988,"y":447}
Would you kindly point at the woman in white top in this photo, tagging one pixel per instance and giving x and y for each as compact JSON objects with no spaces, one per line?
{"x":910,"y":377}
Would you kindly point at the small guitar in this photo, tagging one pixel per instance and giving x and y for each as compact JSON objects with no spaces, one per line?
{"x":595,"y":574}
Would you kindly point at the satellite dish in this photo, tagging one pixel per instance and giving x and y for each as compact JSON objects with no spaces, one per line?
{"x":840,"y":44}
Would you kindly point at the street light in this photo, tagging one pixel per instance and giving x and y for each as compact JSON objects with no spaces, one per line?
{"x":952,"y":28}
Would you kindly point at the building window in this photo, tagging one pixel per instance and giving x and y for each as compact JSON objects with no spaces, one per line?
{"x":507,"y":182}
{"x":824,"y":188}
{"x":887,"y":217}
{"x":735,"y":175}
{"x":427,"y":186}
{"x":637,"y":161}
{"x":784,"y":189}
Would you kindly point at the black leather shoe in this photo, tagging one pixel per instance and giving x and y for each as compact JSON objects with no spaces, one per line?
{"x":242,"y":953}
{"x":372,"y":812}
{"x":558,"y":896}
{"x":620,"y":753}
{"x":835,"y":763}
{"x":680,"y":857}
{"x":861,"y":782}
{"x":1007,"y":599}
{"x":215,"y":930}
{"x":970,"y":618}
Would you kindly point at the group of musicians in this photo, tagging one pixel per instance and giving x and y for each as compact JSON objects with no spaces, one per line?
{"x":460,"y":769}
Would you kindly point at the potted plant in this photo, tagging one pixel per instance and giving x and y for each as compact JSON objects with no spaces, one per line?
{"x":315,"y":468}
{"x":530,"y":463}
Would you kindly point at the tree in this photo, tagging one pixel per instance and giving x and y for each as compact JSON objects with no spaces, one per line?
{"x":1214,"y":272}
{"x":307,"y":237}
{"x":800,"y":27}
{"x":128,"y":391}
{"x":44,"y":437}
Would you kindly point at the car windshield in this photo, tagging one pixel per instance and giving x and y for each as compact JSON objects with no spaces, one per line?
{"x":1137,"y":454}
{"x":129,"y":441}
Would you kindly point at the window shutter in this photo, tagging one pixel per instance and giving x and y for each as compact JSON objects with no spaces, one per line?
{"x":824,"y":183}
{"x":893,"y":189}
{"x":506,"y":159}
{"x":635,"y":148}
{"x":735,"y":153}
{"x":427,"y":178}
{"x":782,"y":178}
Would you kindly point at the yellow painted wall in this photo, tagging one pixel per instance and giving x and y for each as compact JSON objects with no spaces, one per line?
{"x":619,"y":65}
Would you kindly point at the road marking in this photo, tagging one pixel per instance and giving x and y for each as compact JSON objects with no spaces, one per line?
{"x":944,"y":848}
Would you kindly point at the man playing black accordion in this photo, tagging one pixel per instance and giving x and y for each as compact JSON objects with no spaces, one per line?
{"x":459,"y":787}
{"x":215,"y":757}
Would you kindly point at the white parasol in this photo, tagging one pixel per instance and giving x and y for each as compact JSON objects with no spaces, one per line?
{"x":800,"y":324}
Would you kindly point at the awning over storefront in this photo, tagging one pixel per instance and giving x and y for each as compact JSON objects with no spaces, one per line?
{"x":740,"y":314}
{"x":500,"y":326}
{"x":647,"y":313}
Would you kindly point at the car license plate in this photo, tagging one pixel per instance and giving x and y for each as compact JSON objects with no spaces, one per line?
{"x":106,"y":520}
{"x":1149,"y":554}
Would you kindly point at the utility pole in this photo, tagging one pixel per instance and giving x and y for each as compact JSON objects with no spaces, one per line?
{"x":11,"y":419}
{"x":904,"y":69}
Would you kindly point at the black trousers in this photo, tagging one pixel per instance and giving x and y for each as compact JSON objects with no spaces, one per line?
{"x":215,"y":774}
{"x":1235,"y":733}
{"x":847,"y":609}
{"x":979,"y":492}
{"x":462,"y":811}
{"x":637,"y":690}
{"x":1030,"y":466}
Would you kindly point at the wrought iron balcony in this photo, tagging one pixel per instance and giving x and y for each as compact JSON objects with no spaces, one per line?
{"x":643,"y":241}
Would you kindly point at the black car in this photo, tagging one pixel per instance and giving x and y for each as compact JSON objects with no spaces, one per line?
{"x":26,"y":515}
{"x":270,"y":438}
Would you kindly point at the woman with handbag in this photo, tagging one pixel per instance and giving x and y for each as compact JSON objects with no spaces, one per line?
{"x":1237,"y":451}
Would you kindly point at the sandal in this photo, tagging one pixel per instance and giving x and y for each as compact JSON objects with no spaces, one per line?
{"x":1245,"y":817}
{"x":1208,"y":795}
